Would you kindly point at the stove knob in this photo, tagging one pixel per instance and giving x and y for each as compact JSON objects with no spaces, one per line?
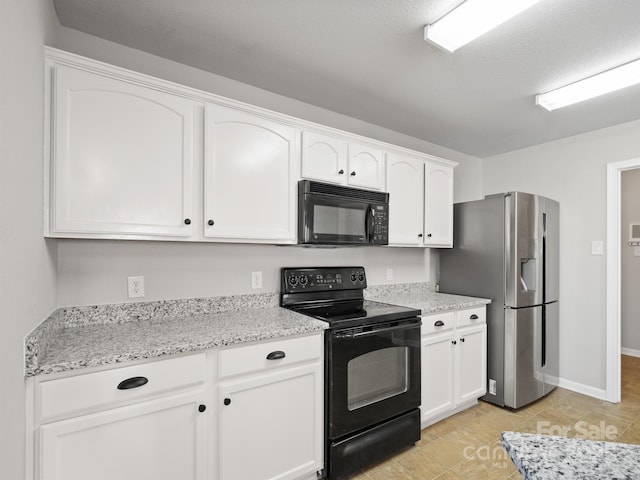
{"x":293,"y":280}
{"x":303,"y":280}
{"x":353,"y":277}
{"x":361,"y":276}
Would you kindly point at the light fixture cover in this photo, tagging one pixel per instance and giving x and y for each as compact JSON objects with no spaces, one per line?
{"x":471,"y":19}
{"x":605,"y":82}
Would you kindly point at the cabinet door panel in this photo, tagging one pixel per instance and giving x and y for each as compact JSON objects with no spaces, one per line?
{"x":365,"y":167}
{"x":472,"y":363}
{"x":438,"y":208}
{"x":160,"y":439}
{"x":271,"y":427}
{"x":323,"y":158}
{"x":406,"y":200}
{"x":250,"y":177}
{"x":122,"y":157}
{"x":438,"y":375}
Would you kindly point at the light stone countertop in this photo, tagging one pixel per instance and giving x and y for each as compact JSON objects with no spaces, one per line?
{"x":544,"y":457}
{"x":420,"y":296}
{"x":72,"y":338}
{"x":79,"y":337}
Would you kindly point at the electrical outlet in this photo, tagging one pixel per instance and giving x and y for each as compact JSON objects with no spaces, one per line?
{"x":389,"y":273}
{"x":136,"y":287}
{"x":256,"y":280}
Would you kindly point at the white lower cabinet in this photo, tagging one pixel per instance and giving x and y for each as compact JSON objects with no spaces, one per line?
{"x":158,"y":439}
{"x":270,"y":422}
{"x":454,"y":362}
{"x":146,"y":421}
{"x":252,"y":411}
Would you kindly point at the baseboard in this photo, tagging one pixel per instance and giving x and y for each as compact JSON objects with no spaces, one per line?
{"x":630,"y":351}
{"x":599,"y":393}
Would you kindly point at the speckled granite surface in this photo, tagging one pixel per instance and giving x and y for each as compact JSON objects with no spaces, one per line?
{"x":419,"y":295}
{"x":544,"y":457}
{"x":78,"y":337}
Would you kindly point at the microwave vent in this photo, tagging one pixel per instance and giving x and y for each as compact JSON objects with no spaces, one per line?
{"x":307,"y":186}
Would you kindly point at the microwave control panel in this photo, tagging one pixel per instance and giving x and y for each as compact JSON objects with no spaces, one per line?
{"x":380,"y":216}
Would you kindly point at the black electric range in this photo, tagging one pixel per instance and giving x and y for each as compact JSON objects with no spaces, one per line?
{"x":372,"y":366}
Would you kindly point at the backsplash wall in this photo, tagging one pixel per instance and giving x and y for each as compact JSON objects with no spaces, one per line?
{"x":92,"y":272}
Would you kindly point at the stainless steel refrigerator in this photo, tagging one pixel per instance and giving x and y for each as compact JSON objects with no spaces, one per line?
{"x":506,"y":249}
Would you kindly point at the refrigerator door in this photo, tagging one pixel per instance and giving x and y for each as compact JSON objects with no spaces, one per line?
{"x":550,"y":216}
{"x":523,"y":250}
{"x":523,"y":375}
{"x":550,"y":346}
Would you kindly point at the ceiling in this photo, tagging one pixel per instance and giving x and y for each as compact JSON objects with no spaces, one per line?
{"x":367,"y":59}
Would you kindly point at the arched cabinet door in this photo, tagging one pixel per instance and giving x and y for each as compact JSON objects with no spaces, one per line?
{"x":324,"y":158}
{"x":438,"y":205}
{"x":122,"y":158}
{"x":250,"y":173}
{"x":365,"y":167}
{"x":405,"y":177}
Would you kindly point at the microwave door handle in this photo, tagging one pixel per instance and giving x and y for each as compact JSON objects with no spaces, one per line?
{"x":370,"y":224}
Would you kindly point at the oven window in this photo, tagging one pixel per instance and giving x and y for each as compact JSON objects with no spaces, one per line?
{"x":339,"y":220}
{"x":377,"y":375}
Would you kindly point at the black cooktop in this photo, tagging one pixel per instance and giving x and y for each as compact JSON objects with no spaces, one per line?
{"x":335,"y":295}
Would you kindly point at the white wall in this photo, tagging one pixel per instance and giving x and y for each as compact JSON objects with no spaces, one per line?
{"x":93,"y":272}
{"x":630,"y":271}
{"x":573,"y":172}
{"x":27,"y":261}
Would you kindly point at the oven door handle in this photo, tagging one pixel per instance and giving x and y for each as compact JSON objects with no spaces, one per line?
{"x":339,"y":334}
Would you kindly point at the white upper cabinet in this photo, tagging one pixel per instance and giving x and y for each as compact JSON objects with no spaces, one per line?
{"x":405,"y":184}
{"x":324,"y":158}
{"x":438,"y":205}
{"x":122,"y":158}
{"x":420,"y":201}
{"x":366,"y":167}
{"x":334,"y":160}
{"x":250,"y":175}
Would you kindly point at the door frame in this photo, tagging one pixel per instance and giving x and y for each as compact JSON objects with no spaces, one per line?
{"x":613,"y":318}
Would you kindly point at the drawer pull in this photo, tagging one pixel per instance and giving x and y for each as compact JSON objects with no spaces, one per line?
{"x":474,"y":317}
{"x":439,"y":323}
{"x":133,"y":382}
{"x":278,"y":354}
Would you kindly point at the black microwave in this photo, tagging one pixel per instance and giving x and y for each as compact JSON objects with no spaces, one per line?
{"x":336,"y":215}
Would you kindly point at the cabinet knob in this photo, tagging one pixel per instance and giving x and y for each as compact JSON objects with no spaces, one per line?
{"x":462,"y":340}
{"x":227,"y":401}
{"x":187,"y":221}
{"x":202,"y":408}
{"x":133,"y":382}
{"x":439,"y":323}
{"x":277,"y":355}
{"x":454,"y":342}
{"x":353,"y":174}
{"x":210,"y":222}
{"x":340,"y":172}
{"x":419,"y":235}
{"x":429,"y":235}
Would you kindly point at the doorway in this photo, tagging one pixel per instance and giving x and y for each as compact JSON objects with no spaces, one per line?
{"x":613,"y":319}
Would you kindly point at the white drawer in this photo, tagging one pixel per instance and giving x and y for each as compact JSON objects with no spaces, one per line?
{"x":91,"y":390}
{"x":437,"y":322}
{"x":284,"y":351}
{"x":471,"y":316}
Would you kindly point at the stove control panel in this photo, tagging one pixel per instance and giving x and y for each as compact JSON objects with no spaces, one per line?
{"x":296,"y":280}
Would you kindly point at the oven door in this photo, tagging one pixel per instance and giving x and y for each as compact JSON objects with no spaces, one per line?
{"x":373,"y":374}
{"x":328,"y":219}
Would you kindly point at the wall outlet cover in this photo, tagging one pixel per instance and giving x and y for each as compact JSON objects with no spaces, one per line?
{"x":256,"y":280}
{"x":135,"y":286}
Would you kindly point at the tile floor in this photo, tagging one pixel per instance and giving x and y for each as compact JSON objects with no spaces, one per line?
{"x":467,"y":446}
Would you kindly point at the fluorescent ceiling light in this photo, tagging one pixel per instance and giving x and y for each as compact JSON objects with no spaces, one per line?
{"x":605,"y":82}
{"x":471,"y":19}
